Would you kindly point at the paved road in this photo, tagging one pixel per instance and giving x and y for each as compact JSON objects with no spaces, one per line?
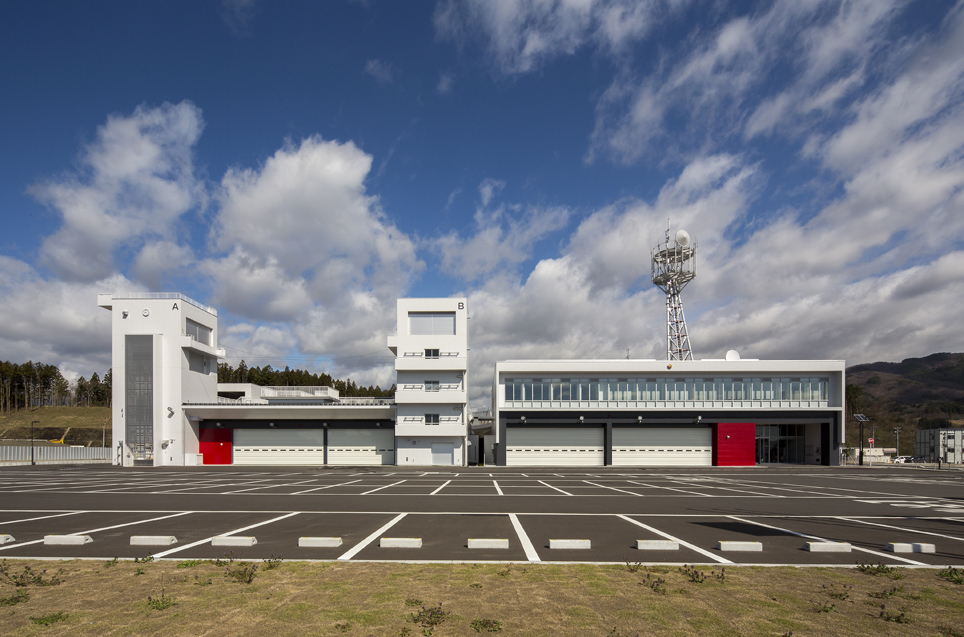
{"x":782,"y":508}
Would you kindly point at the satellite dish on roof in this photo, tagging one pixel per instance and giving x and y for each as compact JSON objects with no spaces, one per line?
{"x":732,"y":355}
{"x":683,"y":238}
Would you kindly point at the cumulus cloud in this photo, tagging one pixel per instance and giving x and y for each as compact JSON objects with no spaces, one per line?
{"x":135,"y":181}
{"x":307,"y":246}
{"x":54,"y":321}
{"x":160,"y":259}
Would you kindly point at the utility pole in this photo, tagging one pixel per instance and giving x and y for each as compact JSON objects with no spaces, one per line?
{"x":32,"y":422}
{"x":861,"y":419}
{"x":897,"y":436}
{"x":873,"y":438}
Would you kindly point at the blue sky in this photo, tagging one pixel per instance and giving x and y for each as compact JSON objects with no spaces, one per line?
{"x":302,"y":165}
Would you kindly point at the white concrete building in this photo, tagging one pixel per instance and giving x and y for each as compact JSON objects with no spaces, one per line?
{"x":252,"y":425}
{"x":164,"y":354}
{"x":628,"y":412}
{"x":431,"y":398}
{"x":169,"y":409}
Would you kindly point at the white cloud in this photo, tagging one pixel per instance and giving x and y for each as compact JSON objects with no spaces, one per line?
{"x":381,"y":70}
{"x":256,"y":287}
{"x":238,"y":14}
{"x":445,"y":83}
{"x":721,"y":81}
{"x":308,"y":247}
{"x":489,"y":188}
{"x":136,"y":180}
{"x":521,"y":35}
{"x":159,"y":259}
{"x":53,"y":321}
{"x":503,"y":238}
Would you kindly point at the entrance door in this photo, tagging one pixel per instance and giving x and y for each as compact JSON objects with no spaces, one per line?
{"x":443,"y":453}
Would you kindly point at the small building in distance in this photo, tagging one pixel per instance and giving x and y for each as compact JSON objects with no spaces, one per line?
{"x":943,"y":445}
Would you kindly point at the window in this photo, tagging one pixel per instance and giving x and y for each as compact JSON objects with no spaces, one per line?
{"x":198,"y":332}
{"x":431,"y":353}
{"x":431,"y":323}
{"x":431,"y":419}
{"x":431,"y":385}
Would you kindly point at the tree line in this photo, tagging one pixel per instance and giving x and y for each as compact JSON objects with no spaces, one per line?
{"x":270,"y":377}
{"x":30,"y":385}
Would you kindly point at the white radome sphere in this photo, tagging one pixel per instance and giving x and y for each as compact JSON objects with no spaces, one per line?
{"x":683,"y":238}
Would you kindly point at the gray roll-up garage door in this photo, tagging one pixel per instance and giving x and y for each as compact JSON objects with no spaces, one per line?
{"x":554,"y":446}
{"x":279,"y":446}
{"x":361,"y":446}
{"x":663,"y":446}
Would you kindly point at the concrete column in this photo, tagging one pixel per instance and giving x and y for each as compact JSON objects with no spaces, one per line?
{"x":608,"y":441}
{"x":826,"y":449}
{"x":499,"y":448}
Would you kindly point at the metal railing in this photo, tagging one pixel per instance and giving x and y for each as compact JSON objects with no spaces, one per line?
{"x":166,"y":295}
{"x":20,"y":454}
{"x":260,"y":402}
{"x":299,"y":392}
{"x":365,"y":401}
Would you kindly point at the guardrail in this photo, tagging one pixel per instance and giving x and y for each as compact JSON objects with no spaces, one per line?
{"x":20,"y":454}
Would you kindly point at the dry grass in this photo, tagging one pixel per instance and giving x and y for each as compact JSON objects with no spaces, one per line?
{"x":85,"y":424}
{"x":316,"y":598}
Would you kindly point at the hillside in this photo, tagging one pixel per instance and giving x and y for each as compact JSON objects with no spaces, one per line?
{"x":85,"y":423}
{"x":914,"y":393}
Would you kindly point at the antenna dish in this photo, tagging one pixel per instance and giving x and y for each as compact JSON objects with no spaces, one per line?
{"x":683,"y":238}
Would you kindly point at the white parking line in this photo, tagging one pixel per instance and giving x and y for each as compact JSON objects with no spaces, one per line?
{"x":900,"y":528}
{"x":208,"y":539}
{"x":371,"y":538}
{"x":269,"y":486}
{"x":653,"y":486}
{"x":341,"y":484}
{"x":820,"y":539}
{"x":499,"y":490}
{"x":613,"y":488}
{"x":692,"y":547}
{"x":530,"y":550}
{"x":385,"y":487}
{"x":556,"y":488}
{"x":440,"y":488}
{"x":105,"y":528}
{"x":43,"y":517}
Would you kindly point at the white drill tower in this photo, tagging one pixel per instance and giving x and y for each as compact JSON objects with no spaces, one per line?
{"x":674,"y":265}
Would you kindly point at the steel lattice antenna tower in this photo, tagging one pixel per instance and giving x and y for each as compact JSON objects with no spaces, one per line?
{"x":674,"y":265}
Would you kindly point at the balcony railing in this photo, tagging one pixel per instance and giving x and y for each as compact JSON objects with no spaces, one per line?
{"x":166,"y":295}
{"x":300,"y":392}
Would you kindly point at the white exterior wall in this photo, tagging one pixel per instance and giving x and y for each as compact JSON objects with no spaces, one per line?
{"x":174,"y":383}
{"x":412,"y":369}
{"x":417,"y":450}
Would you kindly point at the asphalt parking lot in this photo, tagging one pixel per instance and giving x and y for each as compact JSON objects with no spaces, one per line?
{"x":612,"y":508}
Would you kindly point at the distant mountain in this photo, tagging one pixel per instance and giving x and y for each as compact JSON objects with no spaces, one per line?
{"x":916,"y":393}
